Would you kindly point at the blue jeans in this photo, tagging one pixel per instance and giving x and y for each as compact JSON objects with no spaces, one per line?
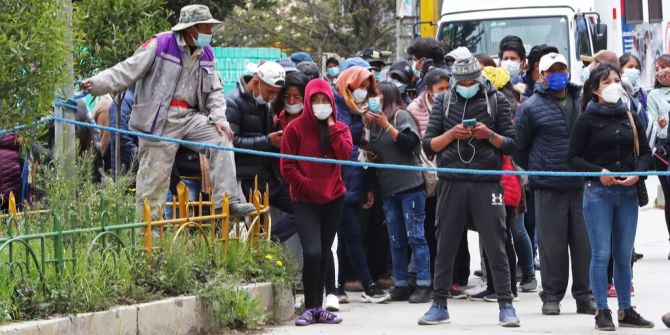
{"x":405,"y":214}
{"x":193,"y":187}
{"x":350,"y":246}
{"x":523,"y":246}
{"x":610,"y":213}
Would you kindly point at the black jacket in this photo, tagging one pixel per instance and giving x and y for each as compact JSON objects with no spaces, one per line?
{"x":543,"y":138}
{"x":251,"y":124}
{"x":497,"y":118}
{"x":603,"y":139}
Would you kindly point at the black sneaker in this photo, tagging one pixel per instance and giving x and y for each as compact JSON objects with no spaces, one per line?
{"x":632,"y":319}
{"x":551,"y":308}
{"x":586,"y":307}
{"x":528,"y":284}
{"x":375,"y":295}
{"x":399,"y":293}
{"x":604,"y":320}
{"x":421,"y":294}
{"x":480,"y":296}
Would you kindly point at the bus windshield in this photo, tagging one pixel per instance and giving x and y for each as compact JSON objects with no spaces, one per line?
{"x":484,"y":36}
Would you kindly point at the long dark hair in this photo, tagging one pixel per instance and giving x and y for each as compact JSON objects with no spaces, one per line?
{"x":392,"y":97}
{"x":592,"y":84}
{"x":625,"y":58}
{"x":296,"y":79}
{"x":664,"y":60}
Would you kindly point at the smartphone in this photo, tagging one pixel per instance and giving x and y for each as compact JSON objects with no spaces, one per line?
{"x":470,"y":123}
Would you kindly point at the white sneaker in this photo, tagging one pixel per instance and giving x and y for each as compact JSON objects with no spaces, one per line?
{"x":332,"y":303}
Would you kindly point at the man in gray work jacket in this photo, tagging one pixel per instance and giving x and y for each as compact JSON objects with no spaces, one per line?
{"x":178,"y":94}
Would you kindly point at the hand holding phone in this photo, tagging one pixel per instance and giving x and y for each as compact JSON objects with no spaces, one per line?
{"x":469,"y":123}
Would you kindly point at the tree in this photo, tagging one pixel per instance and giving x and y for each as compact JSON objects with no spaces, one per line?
{"x":220,"y":9}
{"x":343,"y":27}
{"x":111,"y":31}
{"x":32,"y":58}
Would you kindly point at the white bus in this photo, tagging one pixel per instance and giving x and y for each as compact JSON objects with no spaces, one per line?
{"x":575,"y":27}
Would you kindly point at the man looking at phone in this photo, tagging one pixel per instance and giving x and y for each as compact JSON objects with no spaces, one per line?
{"x":470,"y":127}
{"x":251,"y":120}
{"x":543,"y":126}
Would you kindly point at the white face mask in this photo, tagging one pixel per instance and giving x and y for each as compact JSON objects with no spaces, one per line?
{"x":322,"y":111}
{"x":259,"y":98}
{"x":612,"y":93}
{"x":511,"y":66}
{"x":360,"y":95}
{"x":293,"y":109}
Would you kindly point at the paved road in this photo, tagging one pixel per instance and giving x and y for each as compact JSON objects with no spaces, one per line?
{"x":652,"y":276}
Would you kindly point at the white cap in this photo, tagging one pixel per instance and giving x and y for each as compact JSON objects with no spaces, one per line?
{"x":550,"y":59}
{"x":271,"y":73}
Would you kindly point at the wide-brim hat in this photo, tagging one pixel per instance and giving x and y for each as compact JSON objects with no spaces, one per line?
{"x":192,"y":15}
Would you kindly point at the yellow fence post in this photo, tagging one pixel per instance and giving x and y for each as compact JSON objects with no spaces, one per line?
{"x":12,"y":210}
{"x":225,"y":223}
{"x":146,"y":215}
{"x":182,"y":197}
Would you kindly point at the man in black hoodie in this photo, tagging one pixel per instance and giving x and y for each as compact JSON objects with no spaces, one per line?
{"x":470,"y":127}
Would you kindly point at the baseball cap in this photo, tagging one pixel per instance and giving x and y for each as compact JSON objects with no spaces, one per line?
{"x":537,"y":52}
{"x":354,"y":61}
{"x":373,"y":56}
{"x":550,"y":59}
{"x":403,"y":70}
{"x":272,"y":74}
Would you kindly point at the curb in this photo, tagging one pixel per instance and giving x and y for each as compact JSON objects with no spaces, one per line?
{"x":178,"y":315}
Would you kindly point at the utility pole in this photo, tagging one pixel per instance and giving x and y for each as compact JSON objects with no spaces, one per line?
{"x":64,"y":136}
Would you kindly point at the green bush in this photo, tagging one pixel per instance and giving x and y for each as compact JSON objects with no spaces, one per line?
{"x":32,"y":58}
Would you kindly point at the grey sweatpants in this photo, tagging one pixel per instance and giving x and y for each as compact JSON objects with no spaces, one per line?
{"x":157,"y":157}
{"x":483,"y":202}
{"x":562,"y":239}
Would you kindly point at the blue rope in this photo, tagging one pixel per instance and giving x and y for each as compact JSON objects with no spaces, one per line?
{"x":360,"y":164}
{"x":72,"y":105}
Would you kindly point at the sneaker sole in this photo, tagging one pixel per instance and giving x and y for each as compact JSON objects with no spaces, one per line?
{"x":628,"y":325}
{"x":372,"y":300}
{"x":433,"y":323}
{"x":332,"y":309}
{"x":510,"y":324}
{"x":606,"y":329}
{"x":458,"y":297}
{"x":471,"y":298}
{"x":528,"y":290}
{"x":551,"y":312}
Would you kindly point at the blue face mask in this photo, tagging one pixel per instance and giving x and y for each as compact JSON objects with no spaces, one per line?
{"x":377,"y":75}
{"x":333,"y":71}
{"x":203,"y":40}
{"x":374,"y":104}
{"x":467,"y":92}
{"x":586,"y":72}
{"x":417,"y":72}
{"x":558,"y":81}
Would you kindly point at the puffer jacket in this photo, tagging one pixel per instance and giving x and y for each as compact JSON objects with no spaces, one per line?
{"x":10,"y":167}
{"x":421,"y":112}
{"x":543,"y":138}
{"x":498,"y":117}
{"x":251,"y":124}
{"x":355,"y":178}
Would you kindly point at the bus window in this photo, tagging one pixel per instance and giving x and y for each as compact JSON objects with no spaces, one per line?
{"x":655,"y":11}
{"x":483,"y":36}
{"x":583,"y":38}
{"x":633,"y":10}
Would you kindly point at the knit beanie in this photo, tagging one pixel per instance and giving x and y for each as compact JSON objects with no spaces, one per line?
{"x":466,"y":66}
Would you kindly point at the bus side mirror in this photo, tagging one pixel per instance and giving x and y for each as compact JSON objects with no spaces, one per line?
{"x":600,"y":40}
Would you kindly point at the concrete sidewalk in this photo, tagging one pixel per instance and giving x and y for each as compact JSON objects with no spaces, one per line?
{"x":652,"y":276}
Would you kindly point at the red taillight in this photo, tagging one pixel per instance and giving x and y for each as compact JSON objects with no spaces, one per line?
{"x":614,"y":13}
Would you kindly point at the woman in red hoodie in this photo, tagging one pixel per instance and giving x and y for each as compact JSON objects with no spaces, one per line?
{"x":317,"y":190}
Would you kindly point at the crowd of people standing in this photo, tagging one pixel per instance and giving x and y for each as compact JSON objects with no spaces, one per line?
{"x":450,"y":110}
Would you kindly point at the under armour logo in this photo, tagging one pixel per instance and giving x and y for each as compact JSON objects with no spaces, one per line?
{"x":496,"y":199}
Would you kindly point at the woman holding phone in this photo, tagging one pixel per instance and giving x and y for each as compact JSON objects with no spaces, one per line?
{"x":394,"y":139}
